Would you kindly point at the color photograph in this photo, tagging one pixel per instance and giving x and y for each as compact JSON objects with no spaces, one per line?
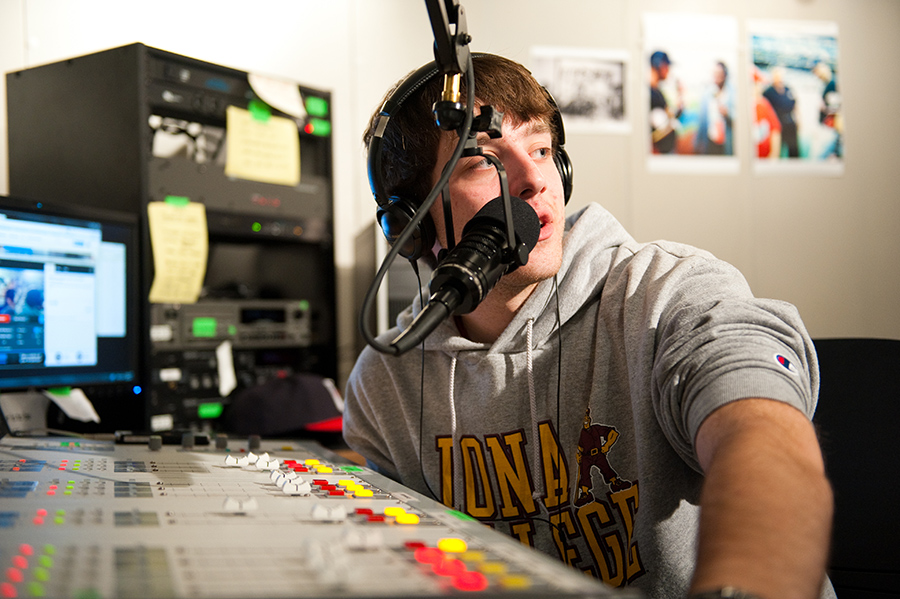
{"x":689,"y":63}
{"x":797,"y":117}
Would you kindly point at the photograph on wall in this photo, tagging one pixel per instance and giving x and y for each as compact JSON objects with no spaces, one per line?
{"x":587,"y":84}
{"x":796,"y":117}
{"x":689,"y":65}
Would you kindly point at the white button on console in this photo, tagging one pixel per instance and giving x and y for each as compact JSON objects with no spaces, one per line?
{"x":325,"y":513}
{"x":297,"y":488}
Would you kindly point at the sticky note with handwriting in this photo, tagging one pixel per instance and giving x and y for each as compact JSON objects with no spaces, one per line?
{"x":180,"y":242}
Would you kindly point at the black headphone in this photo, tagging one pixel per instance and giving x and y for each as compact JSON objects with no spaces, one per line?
{"x":394,"y":213}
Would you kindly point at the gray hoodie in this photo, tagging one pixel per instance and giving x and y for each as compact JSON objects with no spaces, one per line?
{"x":578,"y":438}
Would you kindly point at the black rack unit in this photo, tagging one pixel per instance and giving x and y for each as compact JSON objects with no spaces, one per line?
{"x":87,"y":130}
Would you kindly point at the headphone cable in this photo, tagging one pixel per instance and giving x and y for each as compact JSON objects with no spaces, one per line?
{"x":420,"y":214}
{"x":434,"y":495}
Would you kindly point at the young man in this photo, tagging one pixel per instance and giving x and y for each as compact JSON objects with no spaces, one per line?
{"x":715,"y":121}
{"x":630,"y":408}
{"x":663,"y":118}
{"x":781,"y":97}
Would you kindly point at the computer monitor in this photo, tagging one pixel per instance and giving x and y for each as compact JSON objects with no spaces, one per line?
{"x":69,"y":285}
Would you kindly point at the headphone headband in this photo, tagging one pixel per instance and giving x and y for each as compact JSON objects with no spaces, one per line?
{"x":411,"y":84}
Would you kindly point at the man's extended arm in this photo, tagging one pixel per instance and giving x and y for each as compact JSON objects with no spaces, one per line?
{"x":766,"y":506}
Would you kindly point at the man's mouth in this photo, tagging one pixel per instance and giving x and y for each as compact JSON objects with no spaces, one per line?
{"x":546,"y":229}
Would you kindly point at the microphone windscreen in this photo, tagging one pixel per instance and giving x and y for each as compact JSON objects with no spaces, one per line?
{"x":525,"y":220}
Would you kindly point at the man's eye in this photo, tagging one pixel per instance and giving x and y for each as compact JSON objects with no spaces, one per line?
{"x":542,"y":153}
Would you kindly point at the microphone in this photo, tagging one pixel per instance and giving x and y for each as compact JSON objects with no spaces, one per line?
{"x":471,"y":269}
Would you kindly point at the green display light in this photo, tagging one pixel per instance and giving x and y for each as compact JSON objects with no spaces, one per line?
{"x":460,"y":515}
{"x":319,"y":127}
{"x":259,"y":110}
{"x":316,"y":106}
{"x":177,"y":200}
{"x":204,"y":326}
{"x":210,"y":410}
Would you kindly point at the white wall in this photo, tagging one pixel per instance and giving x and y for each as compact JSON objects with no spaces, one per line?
{"x":829,"y":245}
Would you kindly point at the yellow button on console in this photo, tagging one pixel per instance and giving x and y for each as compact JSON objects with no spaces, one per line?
{"x":452,"y":545}
{"x":493,"y":568}
{"x":407,"y":519}
{"x":515,"y":581}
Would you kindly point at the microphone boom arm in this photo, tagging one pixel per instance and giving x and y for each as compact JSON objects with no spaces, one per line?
{"x":451,"y":48}
{"x":451,"y":55}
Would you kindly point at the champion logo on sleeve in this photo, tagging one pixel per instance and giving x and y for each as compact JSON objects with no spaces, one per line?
{"x":787,"y":364}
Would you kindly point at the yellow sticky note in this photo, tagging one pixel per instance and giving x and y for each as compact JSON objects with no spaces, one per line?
{"x":180,"y":243}
{"x":262,"y":150}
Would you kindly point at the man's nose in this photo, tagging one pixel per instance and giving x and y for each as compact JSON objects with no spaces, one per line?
{"x":526,"y":179}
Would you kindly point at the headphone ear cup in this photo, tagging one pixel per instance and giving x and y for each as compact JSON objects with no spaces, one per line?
{"x":394,"y":217}
{"x":561,"y":157}
{"x":564,"y":166}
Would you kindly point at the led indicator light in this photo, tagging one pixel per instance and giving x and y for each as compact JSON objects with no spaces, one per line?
{"x":316,"y":106}
{"x":204,"y":326}
{"x":209,"y":410}
{"x":319,"y":127}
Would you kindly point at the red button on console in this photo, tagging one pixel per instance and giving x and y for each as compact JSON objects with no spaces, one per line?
{"x":14,"y":575}
{"x":449,"y":567}
{"x":470,"y":581}
{"x":428,"y":555}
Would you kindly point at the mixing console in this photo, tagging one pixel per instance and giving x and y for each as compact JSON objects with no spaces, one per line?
{"x":88,"y":519}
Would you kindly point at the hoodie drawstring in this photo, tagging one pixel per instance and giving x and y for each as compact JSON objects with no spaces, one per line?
{"x":457,"y":474}
{"x":532,"y":404}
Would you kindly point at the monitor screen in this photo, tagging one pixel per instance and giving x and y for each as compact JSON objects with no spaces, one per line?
{"x":69,"y":291}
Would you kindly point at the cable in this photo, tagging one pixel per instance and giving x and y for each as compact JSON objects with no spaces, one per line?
{"x":558,"y":380}
{"x":558,"y":394}
{"x":423,"y":209}
{"x":434,"y":495}
{"x":463,"y":132}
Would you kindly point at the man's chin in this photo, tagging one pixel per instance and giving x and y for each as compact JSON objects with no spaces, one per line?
{"x":535,"y":271}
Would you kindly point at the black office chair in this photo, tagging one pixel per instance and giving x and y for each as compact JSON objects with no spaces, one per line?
{"x":858,"y":419}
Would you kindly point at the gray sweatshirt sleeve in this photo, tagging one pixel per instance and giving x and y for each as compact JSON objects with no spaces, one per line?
{"x":716,"y":343}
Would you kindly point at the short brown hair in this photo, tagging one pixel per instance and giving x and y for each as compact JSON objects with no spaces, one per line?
{"x":410,"y":141}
